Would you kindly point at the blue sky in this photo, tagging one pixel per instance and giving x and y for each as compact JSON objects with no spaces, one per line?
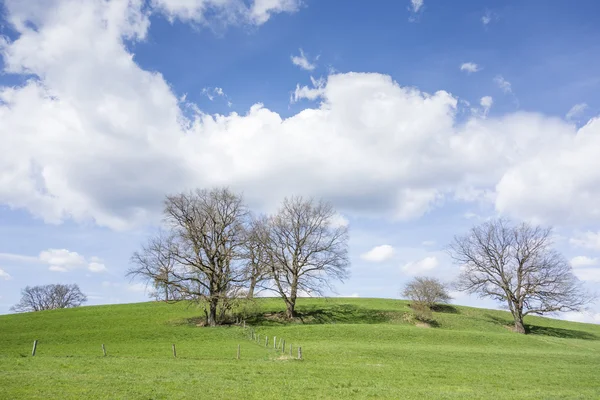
{"x":417,"y":119}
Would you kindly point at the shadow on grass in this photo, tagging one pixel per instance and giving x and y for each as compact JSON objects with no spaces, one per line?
{"x":560,"y":333}
{"x":545,"y":330}
{"x":445,"y":308}
{"x":338,"y":313}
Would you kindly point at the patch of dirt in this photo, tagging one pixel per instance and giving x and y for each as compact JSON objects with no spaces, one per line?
{"x":422,"y":325}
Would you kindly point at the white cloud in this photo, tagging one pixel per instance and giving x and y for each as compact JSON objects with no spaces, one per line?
{"x":371,"y":146}
{"x":261,"y":10}
{"x":63,"y":260}
{"x":470,"y":67}
{"x":309,"y":93}
{"x":379,"y":253}
{"x":488,"y":17}
{"x":339,"y":220}
{"x":486,"y":103}
{"x":423,"y":266}
{"x":588,"y":240}
{"x":302,"y":62}
{"x":4,"y":275}
{"x":583,"y":261}
{"x":428,"y":242}
{"x":415,"y":5}
{"x":576,"y":111}
{"x":18,"y":258}
{"x":211,"y":93}
{"x":503,"y":84}
{"x":96,"y":267}
{"x":224,"y":12}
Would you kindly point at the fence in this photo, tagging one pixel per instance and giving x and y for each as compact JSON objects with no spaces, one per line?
{"x":250,"y":333}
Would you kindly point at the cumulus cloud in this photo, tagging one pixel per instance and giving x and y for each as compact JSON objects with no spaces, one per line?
{"x":94,"y":137}
{"x":379,"y":253}
{"x":224,"y":12}
{"x":423,"y":266}
{"x":583,"y":261}
{"x":470,"y":67}
{"x":63,"y":260}
{"x":303,"y":62}
{"x":4,"y":275}
{"x":588,"y":240}
{"x":576,"y":111}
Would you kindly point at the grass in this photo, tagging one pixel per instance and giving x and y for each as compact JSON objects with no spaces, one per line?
{"x":353,"y":348}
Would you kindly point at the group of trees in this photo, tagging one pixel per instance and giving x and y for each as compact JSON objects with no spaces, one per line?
{"x":514,"y":264}
{"x":49,"y":297}
{"x":214,"y":250}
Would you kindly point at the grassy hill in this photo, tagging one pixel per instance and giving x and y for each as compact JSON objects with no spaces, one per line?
{"x":352,"y":348}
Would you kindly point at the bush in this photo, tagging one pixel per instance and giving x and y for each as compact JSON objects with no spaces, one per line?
{"x":422,"y":311}
{"x":426,"y":292}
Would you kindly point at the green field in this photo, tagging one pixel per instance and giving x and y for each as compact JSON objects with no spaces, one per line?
{"x":352,"y":348}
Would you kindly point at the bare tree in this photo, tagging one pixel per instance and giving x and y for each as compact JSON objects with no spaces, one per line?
{"x":256,"y":269}
{"x":49,"y":297}
{"x":426,"y":291}
{"x":206,"y":234}
{"x":516,"y":264}
{"x":156,"y":263}
{"x":304,"y":250}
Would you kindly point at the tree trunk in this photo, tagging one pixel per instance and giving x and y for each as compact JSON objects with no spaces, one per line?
{"x":250,"y":294}
{"x":519,"y":327}
{"x":290,"y":312}
{"x":291,"y":301}
{"x":212,"y":312}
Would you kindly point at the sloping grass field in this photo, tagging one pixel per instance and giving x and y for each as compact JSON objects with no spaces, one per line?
{"x":352,"y":348}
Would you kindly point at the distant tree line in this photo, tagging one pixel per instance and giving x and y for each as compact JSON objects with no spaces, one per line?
{"x":214,"y":250}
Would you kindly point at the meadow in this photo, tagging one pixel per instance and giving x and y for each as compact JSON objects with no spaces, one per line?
{"x":352,"y":348}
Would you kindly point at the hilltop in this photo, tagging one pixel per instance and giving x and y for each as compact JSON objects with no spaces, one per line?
{"x":353,"y":348}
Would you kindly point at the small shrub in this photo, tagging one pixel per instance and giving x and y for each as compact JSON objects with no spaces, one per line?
{"x":422,"y":311}
{"x":426,"y":291}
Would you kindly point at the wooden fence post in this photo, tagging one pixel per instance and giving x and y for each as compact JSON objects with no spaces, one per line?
{"x":266,"y":341}
{"x":103,"y":350}
{"x":275,"y":342}
{"x":238,"y":353}
{"x":174,"y":351}
{"x":299,"y":353}
{"x":34,"y":348}
{"x":283,"y":345}
{"x":244,"y":324}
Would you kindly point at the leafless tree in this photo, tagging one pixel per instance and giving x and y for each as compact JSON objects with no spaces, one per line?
{"x":49,"y":297}
{"x":206,"y":230}
{"x":256,"y":270}
{"x":517,"y":265}
{"x":426,"y":291}
{"x":156,"y":264}
{"x":304,"y":250}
